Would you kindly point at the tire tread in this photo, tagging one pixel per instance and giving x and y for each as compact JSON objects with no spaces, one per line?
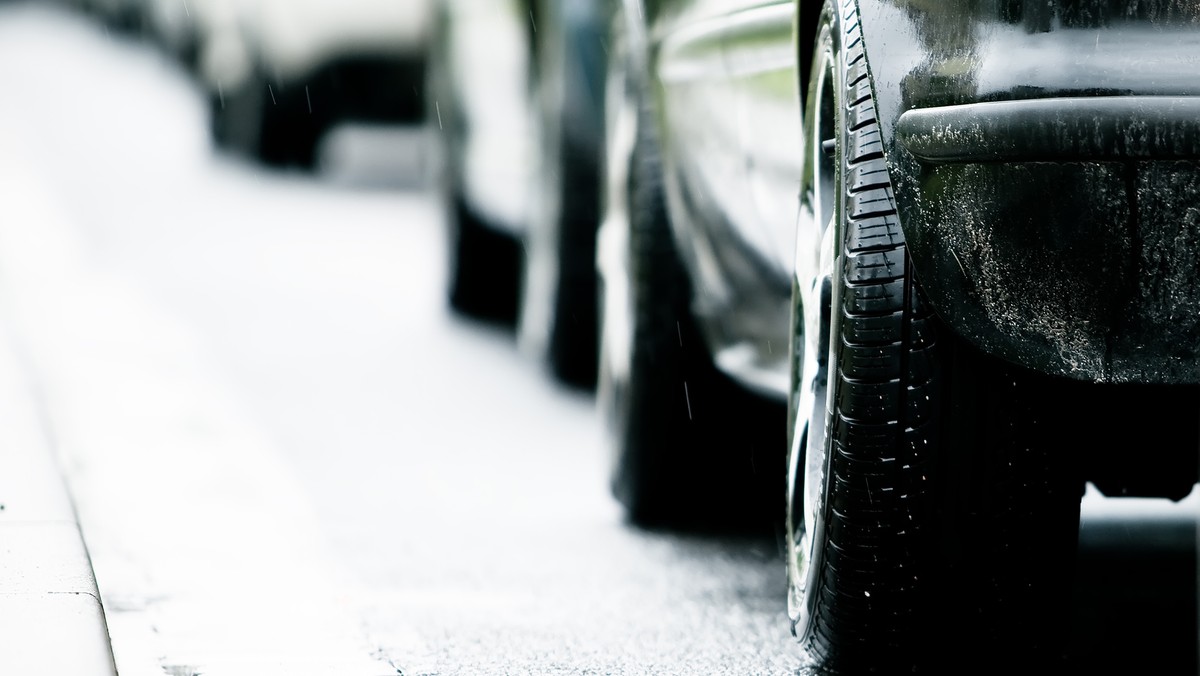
{"x":940,"y":490}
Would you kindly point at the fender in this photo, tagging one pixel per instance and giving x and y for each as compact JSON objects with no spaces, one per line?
{"x":699,"y":66}
{"x":1045,"y":156}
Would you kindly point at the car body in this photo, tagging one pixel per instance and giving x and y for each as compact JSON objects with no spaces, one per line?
{"x":951,"y":236}
{"x":479,"y":89}
{"x":120,"y":15}
{"x":282,"y":72}
{"x":725,"y":77}
{"x":179,"y":26}
{"x":519,"y":89}
{"x":1107,"y":124}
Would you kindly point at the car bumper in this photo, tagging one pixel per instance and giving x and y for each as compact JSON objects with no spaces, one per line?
{"x":1063,"y":233}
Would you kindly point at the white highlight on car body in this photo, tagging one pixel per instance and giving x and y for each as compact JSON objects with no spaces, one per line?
{"x":488,"y":57}
{"x":290,"y":38}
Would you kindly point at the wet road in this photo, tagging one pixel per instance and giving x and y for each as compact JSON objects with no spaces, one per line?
{"x":287,"y":454}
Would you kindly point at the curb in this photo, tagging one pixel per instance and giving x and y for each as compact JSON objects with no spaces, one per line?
{"x":51,"y":618}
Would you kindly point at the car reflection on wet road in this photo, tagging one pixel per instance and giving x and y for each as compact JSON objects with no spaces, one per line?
{"x":455,"y":499}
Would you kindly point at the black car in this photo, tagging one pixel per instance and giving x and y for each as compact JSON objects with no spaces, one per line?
{"x":961,"y":241}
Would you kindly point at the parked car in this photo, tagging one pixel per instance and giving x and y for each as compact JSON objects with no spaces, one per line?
{"x":557,"y":323}
{"x":522,"y":83}
{"x":478,"y":98}
{"x":280,"y":73}
{"x":695,"y":286}
{"x":985,"y":296}
{"x":178,"y":26}
{"x":119,"y":14}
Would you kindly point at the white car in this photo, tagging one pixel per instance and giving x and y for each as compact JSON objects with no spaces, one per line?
{"x":178,"y":25}
{"x":282,"y":72}
{"x":119,"y":14}
{"x":518,"y":87}
{"x":479,"y":100}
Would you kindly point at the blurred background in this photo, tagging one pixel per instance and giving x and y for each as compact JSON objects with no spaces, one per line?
{"x":306,"y":291}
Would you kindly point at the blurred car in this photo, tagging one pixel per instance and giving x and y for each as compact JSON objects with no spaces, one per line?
{"x":280,"y":73}
{"x":124,"y":15}
{"x":177,"y":25}
{"x":694,"y":260}
{"x":985,"y":296}
{"x":519,"y":88}
{"x":478,"y":94}
{"x":558,"y":319}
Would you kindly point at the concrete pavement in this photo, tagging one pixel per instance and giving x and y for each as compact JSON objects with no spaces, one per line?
{"x":51,"y":619}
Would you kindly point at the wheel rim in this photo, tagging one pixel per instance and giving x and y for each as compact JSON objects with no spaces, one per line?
{"x":816,"y":335}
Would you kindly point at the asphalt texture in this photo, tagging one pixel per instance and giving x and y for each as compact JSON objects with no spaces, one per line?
{"x":289,"y":457}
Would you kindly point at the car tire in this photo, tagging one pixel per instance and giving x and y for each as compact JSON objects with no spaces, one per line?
{"x":267,"y":122}
{"x":484,"y":267}
{"x":293,"y":122}
{"x":573,"y":334}
{"x":933,"y":501}
{"x":691,"y":449}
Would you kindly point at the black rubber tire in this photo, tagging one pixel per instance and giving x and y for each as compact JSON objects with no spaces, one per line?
{"x":692,"y":449}
{"x":572,"y":349}
{"x":267,"y":122}
{"x":485,"y":267}
{"x":947,"y":528}
{"x":293,"y":122}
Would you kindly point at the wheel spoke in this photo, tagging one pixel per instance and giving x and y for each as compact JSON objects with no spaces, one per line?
{"x":807,"y":456}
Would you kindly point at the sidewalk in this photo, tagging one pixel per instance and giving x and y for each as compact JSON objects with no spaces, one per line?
{"x":202,"y":539}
